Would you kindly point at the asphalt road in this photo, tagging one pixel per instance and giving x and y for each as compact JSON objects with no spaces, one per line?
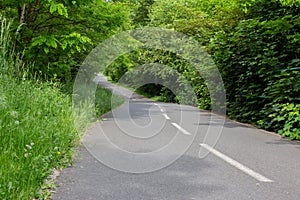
{"x":146,"y":150}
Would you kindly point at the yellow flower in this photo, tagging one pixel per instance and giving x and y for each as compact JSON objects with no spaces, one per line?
{"x":58,"y":153}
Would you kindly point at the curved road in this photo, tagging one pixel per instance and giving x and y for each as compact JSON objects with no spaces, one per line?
{"x":245,"y":163}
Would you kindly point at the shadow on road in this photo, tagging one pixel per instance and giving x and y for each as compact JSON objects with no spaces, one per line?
{"x":89,"y":179}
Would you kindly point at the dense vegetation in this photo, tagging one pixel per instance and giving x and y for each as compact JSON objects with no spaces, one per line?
{"x":254,"y":43}
{"x":55,"y":36}
{"x":37,"y":134}
{"x":260,"y":64}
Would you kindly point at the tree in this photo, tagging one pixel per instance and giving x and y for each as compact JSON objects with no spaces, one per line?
{"x":260,"y":64}
{"x":141,"y":16}
{"x":57,"y":35}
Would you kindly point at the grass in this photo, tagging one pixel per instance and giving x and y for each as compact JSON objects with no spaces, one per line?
{"x":37,"y":129}
{"x":105,"y":101}
{"x":37,"y":135}
{"x":155,"y":97}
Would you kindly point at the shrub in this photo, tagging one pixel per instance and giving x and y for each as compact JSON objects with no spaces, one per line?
{"x":288,"y":116}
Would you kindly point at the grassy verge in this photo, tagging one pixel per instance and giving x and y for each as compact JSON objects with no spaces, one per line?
{"x":105,"y":101}
{"x":37,"y":135}
{"x":37,"y":129}
{"x":154,"y":95}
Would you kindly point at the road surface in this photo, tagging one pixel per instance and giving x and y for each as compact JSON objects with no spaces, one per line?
{"x":221,"y":161}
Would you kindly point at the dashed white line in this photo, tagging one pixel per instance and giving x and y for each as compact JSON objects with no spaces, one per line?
{"x":161,"y":109}
{"x":236,"y":164}
{"x":166,"y":116}
{"x":181,"y":129}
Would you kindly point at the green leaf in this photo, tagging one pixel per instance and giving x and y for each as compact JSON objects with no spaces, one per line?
{"x":78,"y":48}
{"x":64,"y":45}
{"x":37,"y":41}
{"x":53,"y":8}
{"x":59,"y":10}
{"x":46,"y":50}
{"x":52,"y":42}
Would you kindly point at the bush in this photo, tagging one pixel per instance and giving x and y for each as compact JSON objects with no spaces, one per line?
{"x":288,"y":117}
{"x":260,"y":64}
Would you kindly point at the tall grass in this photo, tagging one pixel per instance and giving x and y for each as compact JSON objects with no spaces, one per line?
{"x":37,"y":134}
{"x":36,"y":127}
{"x":37,"y":131}
{"x":5,"y":45}
{"x":105,"y":101}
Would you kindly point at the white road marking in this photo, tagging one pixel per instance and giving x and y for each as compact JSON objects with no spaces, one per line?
{"x":236,"y":164}
{"x":163,"y":111}
{"x":160,"y":108}
{"x":166,"y":116}
{"x":181,"y":129}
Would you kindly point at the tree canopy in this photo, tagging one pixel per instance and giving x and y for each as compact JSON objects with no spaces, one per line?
{"x":254,"y":44}
{"x":57,"y":35}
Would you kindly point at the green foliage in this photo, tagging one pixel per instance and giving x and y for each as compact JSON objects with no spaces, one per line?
{"x":119,"y":67}
{"x":197,"y":19}
{"x":5,"y":45}
{"x":141,"y":15}
{"x":37,"y":130}
{"x":284,"y":86}
{"x":185,"y":17}
{"x":288,"y":116}
{"x":57,"y":35}
{"x":37,"y":135}
{"x":259,"y":62}
{"x":105,"y":101}
{"x":167,"y":75}
{"x":255,"y":44}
